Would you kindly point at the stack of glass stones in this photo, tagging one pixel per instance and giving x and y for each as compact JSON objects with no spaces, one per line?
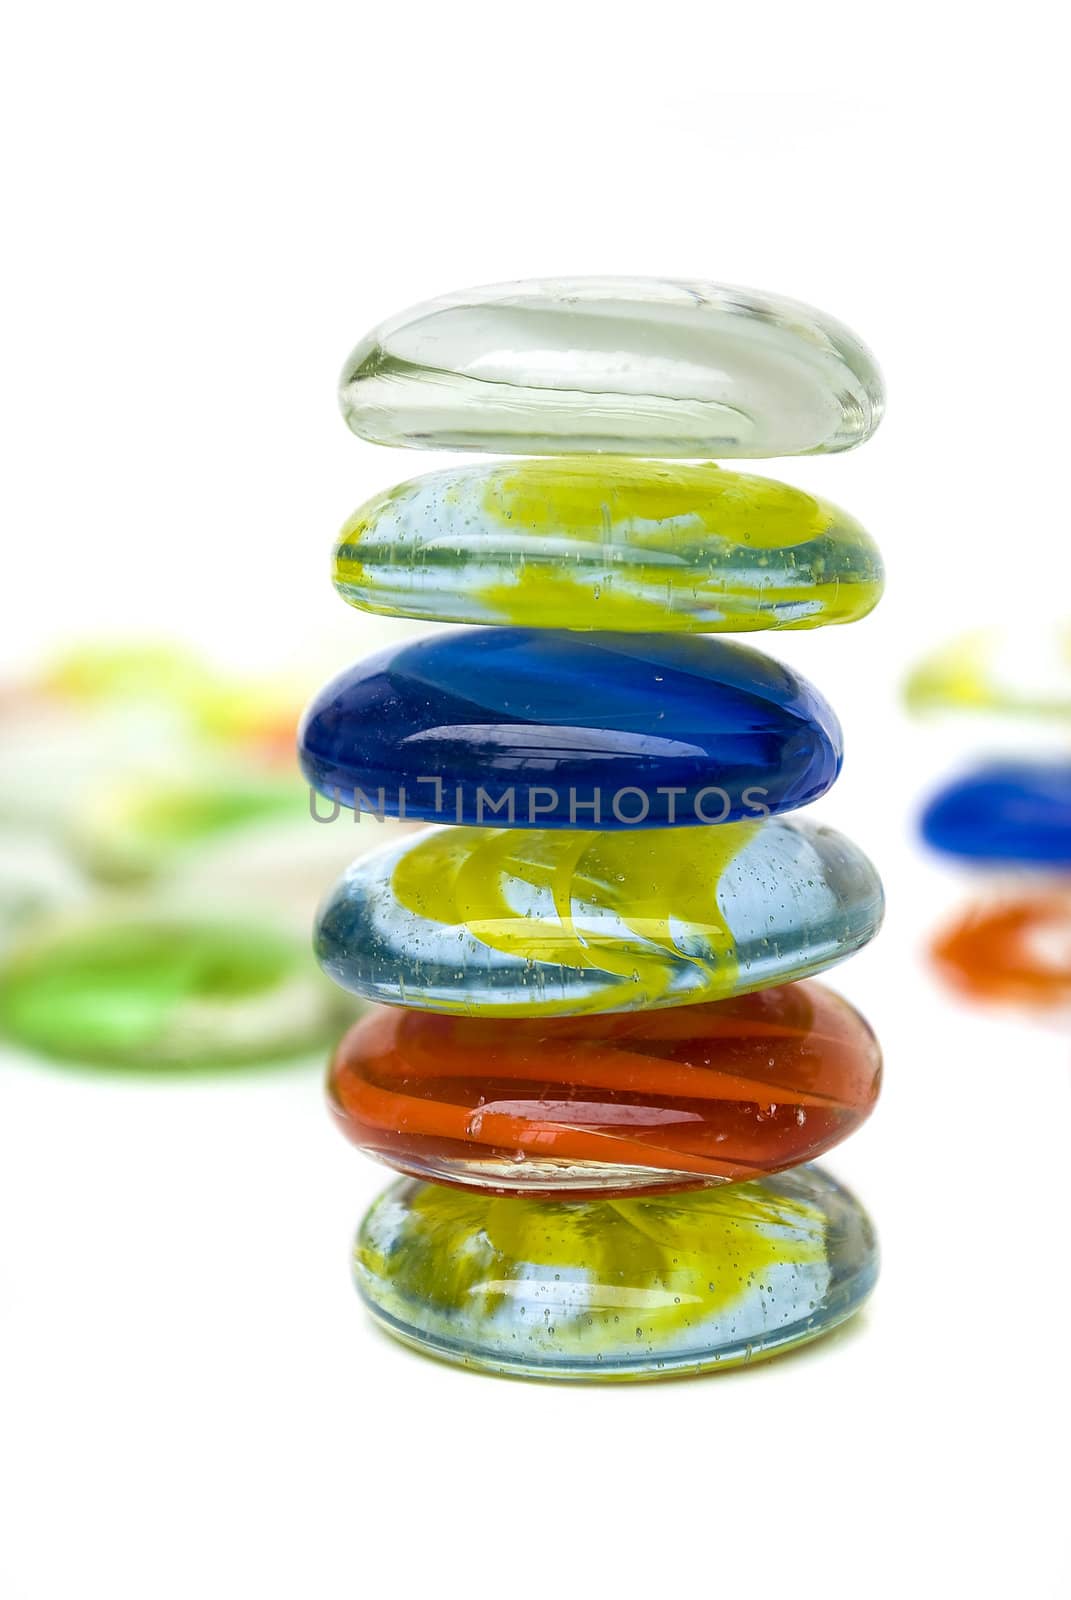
{"x":594,"y":1059}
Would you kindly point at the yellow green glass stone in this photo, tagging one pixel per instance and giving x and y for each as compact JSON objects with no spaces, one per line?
{"x":613,"y":544}
{"x":632,"y":1288}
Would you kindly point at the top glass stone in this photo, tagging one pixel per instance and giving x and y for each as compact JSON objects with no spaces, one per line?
{"x":630,"y":366}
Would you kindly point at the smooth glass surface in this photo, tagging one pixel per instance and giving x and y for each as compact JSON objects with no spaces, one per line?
{"x":543,"y":728}
{"x":596,"y":543}
{"x":633,"y":366}
{"x":153,"y":992}
{"x":616,"y":1289}
{"x":509,"y":923}
{"x":646,"y":1102}
{"x":1015,"y":812}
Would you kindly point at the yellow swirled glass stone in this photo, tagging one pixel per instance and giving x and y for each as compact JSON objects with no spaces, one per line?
{"x":509,"y":922}
{"x":632,"y":1288}
{"x":621,"y":545}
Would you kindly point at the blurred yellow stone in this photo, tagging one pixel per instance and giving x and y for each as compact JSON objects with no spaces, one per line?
{"x":1013,"y":672}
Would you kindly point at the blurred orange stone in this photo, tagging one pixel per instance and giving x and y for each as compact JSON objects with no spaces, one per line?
{"x":626,"y":1103}
{"x":1016,"y":950}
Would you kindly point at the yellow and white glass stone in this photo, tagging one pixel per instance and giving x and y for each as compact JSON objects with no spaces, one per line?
{"x":617,"y":545}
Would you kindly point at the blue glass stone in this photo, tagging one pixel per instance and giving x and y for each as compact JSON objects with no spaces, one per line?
{"x":544,"y":922}
{"x":552,"y":729}
{"x":1009,"y":812}
{"x":650,"y":1287}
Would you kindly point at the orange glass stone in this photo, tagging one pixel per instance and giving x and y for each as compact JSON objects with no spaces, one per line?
{"x":1016,"y":950}
{"x":625,"y":1103}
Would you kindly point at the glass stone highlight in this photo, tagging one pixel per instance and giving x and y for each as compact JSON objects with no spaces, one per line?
{"x":1015,"y":950}
{"x":151,"y":992}
{"x":513,"y":923}
{"x":543,"y":728}
{"x":596,"y":543}
{"x":635,"y":1104}
{"x":629,"y":366}
{"x":616,"y":1289}
{"x":1015,"y":812}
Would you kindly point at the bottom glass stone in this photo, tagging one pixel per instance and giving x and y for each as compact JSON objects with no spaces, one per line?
{"x":651,"y":1287}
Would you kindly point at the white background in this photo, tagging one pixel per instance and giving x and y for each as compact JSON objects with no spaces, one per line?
{"x":206,"y":205}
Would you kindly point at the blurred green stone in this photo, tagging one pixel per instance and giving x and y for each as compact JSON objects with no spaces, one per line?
{"x":151,"y":991}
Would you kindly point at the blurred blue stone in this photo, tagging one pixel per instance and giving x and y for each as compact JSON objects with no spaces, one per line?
{"x":1008,"y":812}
